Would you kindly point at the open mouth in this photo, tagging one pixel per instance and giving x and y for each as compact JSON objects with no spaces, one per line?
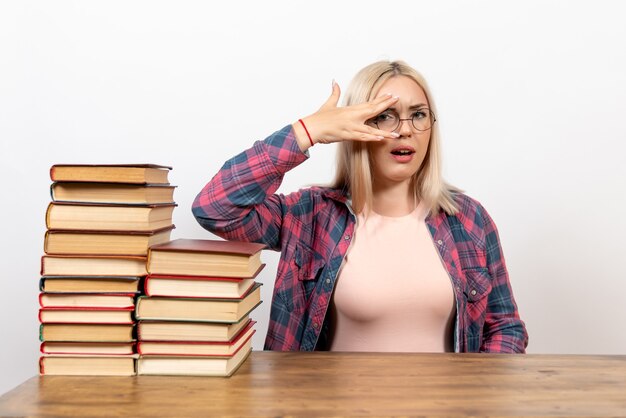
{"x":403,"y":151}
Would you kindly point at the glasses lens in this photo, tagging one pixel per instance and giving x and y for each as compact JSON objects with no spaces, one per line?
{"x":422,"y":119}
{"x":387,"y":121}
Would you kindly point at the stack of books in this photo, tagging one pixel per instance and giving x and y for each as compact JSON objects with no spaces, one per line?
{"x":194,"y":318}
{"x":100,"y":224}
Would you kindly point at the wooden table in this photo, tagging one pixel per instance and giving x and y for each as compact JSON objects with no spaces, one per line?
{"x":340,"y":384}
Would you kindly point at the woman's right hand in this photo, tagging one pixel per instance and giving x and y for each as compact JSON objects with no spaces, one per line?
{"x":335,"y":124}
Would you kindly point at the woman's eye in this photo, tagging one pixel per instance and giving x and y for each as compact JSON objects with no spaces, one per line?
{"x":420,"y":114}
{"x":384,"y":117}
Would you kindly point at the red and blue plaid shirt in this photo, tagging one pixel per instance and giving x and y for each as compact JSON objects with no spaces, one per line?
{"x":312,"y":228}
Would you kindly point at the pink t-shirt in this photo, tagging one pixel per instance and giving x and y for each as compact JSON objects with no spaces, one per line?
{"x":393,"y":292}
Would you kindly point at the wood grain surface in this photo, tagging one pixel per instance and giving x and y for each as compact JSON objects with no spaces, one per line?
{"x":345,"y":384}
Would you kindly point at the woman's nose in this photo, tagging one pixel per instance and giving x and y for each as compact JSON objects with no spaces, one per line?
{"x":405,"y":128}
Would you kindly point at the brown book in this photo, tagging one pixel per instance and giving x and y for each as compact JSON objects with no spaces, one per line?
{"x":102,"y":349}
{"x":193,"y":366}
{"x":195,"y":257}
{"x":113,"y":173}
{"x":196,"y":348}
{"x":86,"y":332}
{"x":86,"y":300}
{"x":132,"y":194}
{"x":89,"y":284}
{"x":82,"y":265}
{"x":189,"y":331}
{"x":86,"y":315}
{"x":75,"y":365}
{"x":209,"y":310}
{"x":104,"y":242}
{"x":108,"y":217}
{"x":197,"y":286}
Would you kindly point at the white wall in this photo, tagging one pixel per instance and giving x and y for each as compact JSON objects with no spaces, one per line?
{"x":530,"y":99}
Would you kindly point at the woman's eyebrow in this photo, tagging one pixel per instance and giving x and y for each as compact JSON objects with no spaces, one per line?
{"x":412,"y":107}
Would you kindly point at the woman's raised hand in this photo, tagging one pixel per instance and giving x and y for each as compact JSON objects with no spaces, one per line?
{"x":334,"y":124}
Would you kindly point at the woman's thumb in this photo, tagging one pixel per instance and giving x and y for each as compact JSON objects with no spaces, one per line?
{"x":333,"y":100}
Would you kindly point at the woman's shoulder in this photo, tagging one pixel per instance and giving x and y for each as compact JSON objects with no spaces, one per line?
{"x":470,"y":209}
{"x":316,"y":195}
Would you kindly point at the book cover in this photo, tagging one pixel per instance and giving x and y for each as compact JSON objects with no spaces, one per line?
{"x":90,"y":284}
{"x":106,"y":242}
{"x":118,"y":173}
{"x":227,"y":310}
{"x":128,"y":194}
{"x":193,"y":366}
{"x":197,"y":348}
{"x":198,"y":286}
{"x":80,"y":265}
{"x":110,"y":217}
{"x":87,"y":332}
{"x":211,"y":246}
{"x":91,"y":315}
{"x":192,"y":257}
{"x":76,"y":365}
{"x":87,"y":300}
{"x":189,"y":331}
{"x":87,"y":348}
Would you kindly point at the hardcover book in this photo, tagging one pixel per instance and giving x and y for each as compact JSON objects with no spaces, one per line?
{"x":86,"y":315}
{"x":113,"y":173}
{"x":197,"y":348}
{"x":193,"y":366}
{"x":86,"y":300}
{"x":131,"y":194}
{"x":194,"y":257}
{"x":86,"y":332}
{"x":81,"y":265}
{"x":108,"y":217}
{"x":87,"y":348}
{"x":75,"y":365}
{"x":209,"y":310}
{"x":90,"y":284}
{"x":104,"y":242}
{"x":197,"y":286}
{"x":190,"y":331}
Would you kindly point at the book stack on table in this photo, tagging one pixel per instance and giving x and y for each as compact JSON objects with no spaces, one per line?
{"x":100,"y":224}
{"x":194,"y":318}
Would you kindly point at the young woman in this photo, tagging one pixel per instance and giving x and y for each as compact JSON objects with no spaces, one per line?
{"x":387,"y":258}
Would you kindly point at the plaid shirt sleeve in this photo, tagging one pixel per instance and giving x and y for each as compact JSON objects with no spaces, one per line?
{"x":239,"y":202}
{"x":504,"y":331}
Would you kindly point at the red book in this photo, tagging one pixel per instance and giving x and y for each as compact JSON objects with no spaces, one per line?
{"x":87,"y":348}
{"x":198,"y":286}
{"x":197,"y":348}
{"x":86,"y":315}
{"x":86,"y":300}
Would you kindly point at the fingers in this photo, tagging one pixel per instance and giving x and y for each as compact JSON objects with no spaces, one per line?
{"x":381,"y":103}
{"x":368,"y":133}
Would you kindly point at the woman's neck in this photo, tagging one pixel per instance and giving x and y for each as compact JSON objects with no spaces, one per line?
{"x":393,"y":200}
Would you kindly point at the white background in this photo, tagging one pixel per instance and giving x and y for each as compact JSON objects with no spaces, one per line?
{"x":531,"y":98}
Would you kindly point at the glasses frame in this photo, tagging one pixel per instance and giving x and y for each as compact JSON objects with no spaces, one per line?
{"x":432,"y":118}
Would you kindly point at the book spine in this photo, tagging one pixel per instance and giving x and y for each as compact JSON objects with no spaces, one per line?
{"x":146,"y":284}
{"x":49,"y":215}
{"x":41,"y":366}
{"x":42,"y":269}
{"x":40,"y":332}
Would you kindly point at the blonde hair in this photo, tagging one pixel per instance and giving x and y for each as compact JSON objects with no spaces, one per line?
{"x":353,"y":168}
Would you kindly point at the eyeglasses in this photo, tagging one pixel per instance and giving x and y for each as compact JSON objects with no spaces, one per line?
{"x":422,"y":120}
